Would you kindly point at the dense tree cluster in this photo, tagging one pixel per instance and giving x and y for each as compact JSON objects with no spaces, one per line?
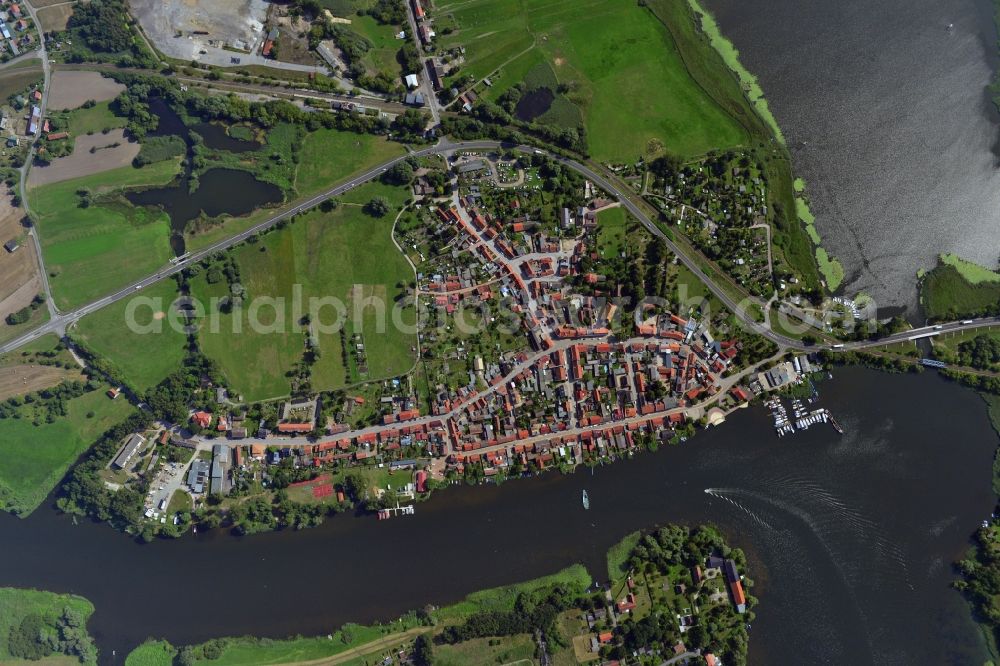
{"x":101,"y":31}
{"x":718,"y":629}
{"x":986,"y":383}
{"x":982,"y":352}
{"x":537,"y":610}
{"x":24,"y":314}
{"x":47,"y":404}
{"x":423,"y":651}
{"x":400,"y":173}
{"x":388,"y":12}
{"x":85,"y":493}
{"x":103,"y":24}
{"x":37,"y":637}
{"x":169,"y":400}
{"x":981,"y":583}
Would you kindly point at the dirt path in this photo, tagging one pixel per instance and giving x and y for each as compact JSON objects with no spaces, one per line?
{"x":362,"y":650}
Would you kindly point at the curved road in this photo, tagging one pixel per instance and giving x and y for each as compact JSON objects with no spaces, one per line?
{"x":60,"y":321}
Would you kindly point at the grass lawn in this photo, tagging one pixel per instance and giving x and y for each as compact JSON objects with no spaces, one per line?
{"x":972,"y":272}
{"x":829,"y":268}
{"x":143,"y":358}
{"x":382,"y":56}
{"x":152,"y":653}
{"x":509,"y":650}
{"x":46,"y":343}
{"x":731,"y":57}
{"x":328,"y":156}
{"x":618,"y":555}
{"x":329,"y":255}
{"x":502,"y":598}
{"x":352,"y":638}
{"x":16,"y":604}
{"x":611,"y":232}
{"x":34,"y":458}
{"x":38,"y":317}
{"x":92,"y":251}
{"x":621,"y":63}
{"x":95,"y":119}
{"x":179,"y":501}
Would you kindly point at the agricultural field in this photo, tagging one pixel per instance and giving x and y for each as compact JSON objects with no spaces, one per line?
{"x":35,"y":457}
{"x":328,"y":254}
{"x":17,"y":604}
{"x":19,"y":77}
{"x":20,"y":281}
{"x":93,"y":250}
{"x":70,"y":89}
{"x":329,"y":155}
{"x":618,"y":62}
{"x":36,"y":366}
{"x":54,"y":19}
{"x":142,"y":358}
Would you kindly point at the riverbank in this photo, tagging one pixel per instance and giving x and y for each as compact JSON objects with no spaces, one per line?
{"x":827,"y":574}
{"x":565,"y":617}
{"x":956,"y":288}
{"x":38,"y":625}
{"x":719,"y":72}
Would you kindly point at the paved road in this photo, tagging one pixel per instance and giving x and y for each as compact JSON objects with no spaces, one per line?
{"x":26,"y":167}
{"x":59,"y":322}
{"x":425,"y":80}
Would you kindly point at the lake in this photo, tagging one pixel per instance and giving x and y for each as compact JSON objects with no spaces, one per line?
{"x":220,"y":191}
{"x":886,"y":113}
{"x":850,"y":538}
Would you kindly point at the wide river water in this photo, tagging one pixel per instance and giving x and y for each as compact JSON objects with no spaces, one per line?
{"x":851,"y":538}
{"x":887,"y":116}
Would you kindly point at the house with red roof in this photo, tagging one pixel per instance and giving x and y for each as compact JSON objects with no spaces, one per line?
{"x":202,"y":419}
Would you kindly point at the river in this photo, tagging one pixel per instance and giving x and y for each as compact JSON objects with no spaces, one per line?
{"x":850,"y":538}
{"x":886,"y":113}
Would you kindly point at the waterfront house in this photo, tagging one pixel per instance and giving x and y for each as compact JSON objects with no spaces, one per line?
{"x":126,"y":453}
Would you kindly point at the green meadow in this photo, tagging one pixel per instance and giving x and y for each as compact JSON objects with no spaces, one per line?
{"x":91,"y":251}
{"x":329,"y":155}
{"x":344,"y":254}
{"x":611,"y":231}
{"x":34,"y":458}
{"x":619,"y":63}
{"x":142,"y":358}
